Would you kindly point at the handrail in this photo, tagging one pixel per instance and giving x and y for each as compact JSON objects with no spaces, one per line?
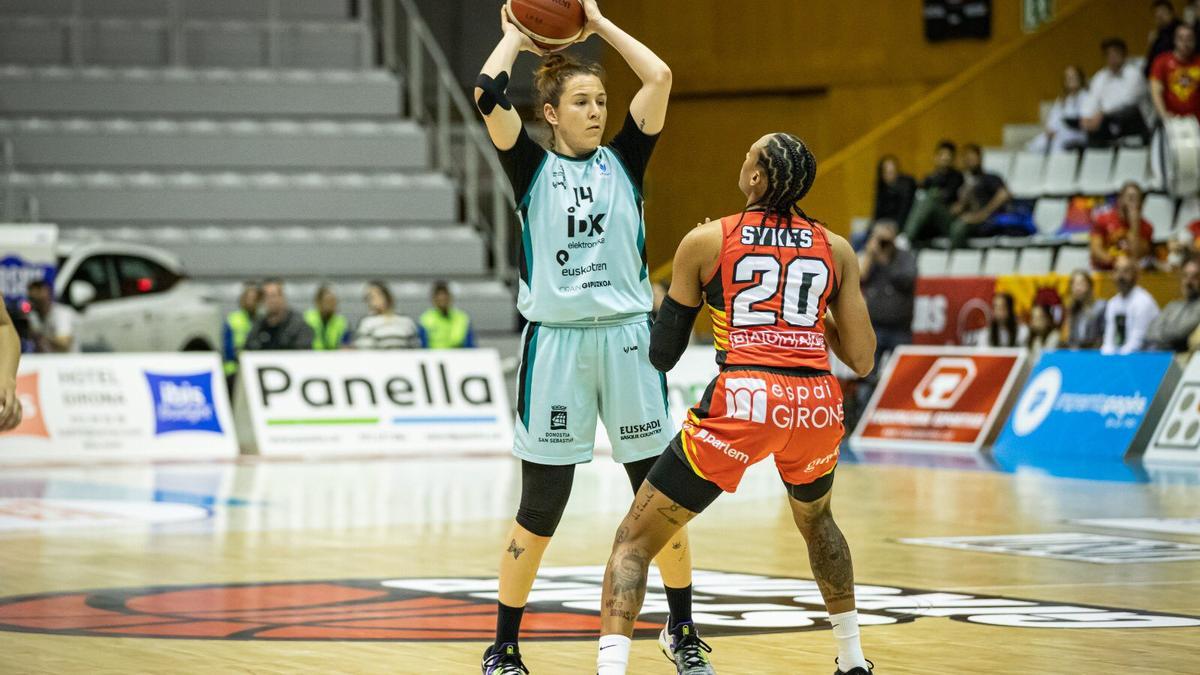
{"x":450,"y":102}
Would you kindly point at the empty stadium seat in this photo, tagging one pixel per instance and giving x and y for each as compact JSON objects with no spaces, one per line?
{"x":140,"y":91}
{"x":1061,"y":171}
{"x":1071,"y":258}
{"x":965,"y":262}
{"x":1189,"y":212}
{"x":1160,"y":211}
{"x":1000,"y":261}
{"x":998,"y":161}
{"x":214,"y":143}
{"x":933,"y":262}
{"x":1049,"y":214}
{"x":1132,"y":164}
{"x":1035,"y":261}
{"x":1095,"y":171}
{"x":1028,"y":169}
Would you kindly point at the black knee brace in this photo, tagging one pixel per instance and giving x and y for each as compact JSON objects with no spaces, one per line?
{"x":544,"y":494}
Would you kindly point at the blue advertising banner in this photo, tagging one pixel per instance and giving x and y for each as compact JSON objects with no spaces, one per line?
{"x":1083,"y":403}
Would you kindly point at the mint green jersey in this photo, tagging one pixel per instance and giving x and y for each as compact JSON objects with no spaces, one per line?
{"x":583,"y":234}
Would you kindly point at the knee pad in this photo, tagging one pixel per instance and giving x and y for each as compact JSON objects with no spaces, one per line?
{"x":544,"y":494}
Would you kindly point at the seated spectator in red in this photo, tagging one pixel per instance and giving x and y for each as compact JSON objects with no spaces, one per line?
{"x":1162,"y":36}
{"x":1121,"y":230}
{"x":1062,"y":130}
{"x":946,"y":180}
{"x":1004,"y":330}
{"x":1175,"y":78}
{"x":894,"y":191}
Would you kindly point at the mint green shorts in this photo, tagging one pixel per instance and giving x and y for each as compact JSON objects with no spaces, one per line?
{"x":572,"y":375}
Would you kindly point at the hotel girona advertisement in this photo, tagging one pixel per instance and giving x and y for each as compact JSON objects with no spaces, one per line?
{"x":112,"y":407}
{"x":385,"y":402}
{"x":939,"y":399}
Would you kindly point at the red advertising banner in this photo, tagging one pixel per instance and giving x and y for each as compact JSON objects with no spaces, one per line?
{"x":952,"y":310}
{"x":935,"y":399}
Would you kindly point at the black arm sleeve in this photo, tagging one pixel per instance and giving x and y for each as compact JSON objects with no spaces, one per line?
{"x":634,"y":148}
{"x":670,"y":334}
{"x":521,"y":162}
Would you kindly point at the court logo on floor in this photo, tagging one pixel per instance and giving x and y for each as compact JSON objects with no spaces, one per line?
{"x":1077,"y":546}
{"x":564,"y":605}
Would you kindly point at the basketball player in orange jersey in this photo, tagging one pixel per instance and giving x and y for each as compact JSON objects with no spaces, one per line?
{"x":768,"y":276}
{"x":585,"y":289}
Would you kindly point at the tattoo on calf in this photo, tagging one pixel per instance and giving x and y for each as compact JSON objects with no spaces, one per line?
{"x":515,"y":550}
{"x":829,"y":556}
{"x":627,"y":584}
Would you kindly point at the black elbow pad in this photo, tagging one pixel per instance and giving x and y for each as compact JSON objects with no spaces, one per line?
{"x":493,"y":93}
{"x":671,"y":333}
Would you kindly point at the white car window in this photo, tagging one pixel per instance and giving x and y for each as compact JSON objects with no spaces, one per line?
{"x":97,"y":271}
{"x":139,"y":276}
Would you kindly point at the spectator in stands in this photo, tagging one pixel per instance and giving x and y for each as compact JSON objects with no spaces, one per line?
{"x":384,"y":328}
{"x":1113,"y":107}
{"x":1172,"y":329}
{"x":51,"y":324}
{"x":1128,"y":313}
{"x":946,"y":180}
{"x":1085,"y":315}
{"x":888,"y":280}
{"x":1175,"y":78}
{"x":1162,"y":36}
{"x":443,"y":326}
{"x":894,"y":191}
{"x":1004,"y":329}
{"x":280,"y":328}
{"x":330,"y":330}
{"x":983,"y":197}
{"x":1043,"y":331}
{"x":238,"y":325}
{"x":1121,"y":230}
{"x":1062,"y":130}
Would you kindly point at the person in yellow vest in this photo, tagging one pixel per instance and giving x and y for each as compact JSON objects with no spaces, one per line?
{"x":330,"y":330}
{"x":238,"y":325}
{"x":443,"y":326}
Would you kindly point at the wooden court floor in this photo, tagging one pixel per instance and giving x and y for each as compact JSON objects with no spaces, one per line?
{"x":270,"y":567}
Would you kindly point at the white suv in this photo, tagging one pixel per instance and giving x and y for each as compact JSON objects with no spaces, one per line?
{"x":133,"y":298}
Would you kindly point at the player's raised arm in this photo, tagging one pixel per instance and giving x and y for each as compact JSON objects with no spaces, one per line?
{"x":503,"y":121}
{"x":649,"y":106}
{"x":854,"y":337}
{"x":10,"y":352}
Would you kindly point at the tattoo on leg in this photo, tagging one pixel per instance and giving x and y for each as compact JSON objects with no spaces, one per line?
{"x":640,"y":507}
{"x":670,"y":513}
{"x":829,"y":556}
{"x":515,"y":550}
{"x":622,"y":534}
{"x":627,"y":584}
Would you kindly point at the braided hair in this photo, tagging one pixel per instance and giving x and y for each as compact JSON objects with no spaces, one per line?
{"x":791,"y":170}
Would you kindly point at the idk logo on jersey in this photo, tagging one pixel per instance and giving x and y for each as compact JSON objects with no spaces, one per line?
{"x":746,"y":399}
{"x":183,"y":403}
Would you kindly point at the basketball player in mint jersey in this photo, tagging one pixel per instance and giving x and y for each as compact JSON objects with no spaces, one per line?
{"x":585,"y":289}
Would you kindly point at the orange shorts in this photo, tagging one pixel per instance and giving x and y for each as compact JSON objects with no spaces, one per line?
{"x":749,"y":413}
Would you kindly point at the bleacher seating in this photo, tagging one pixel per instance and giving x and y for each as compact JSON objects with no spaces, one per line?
{"x":965,"y":262}
{"x":998,"y":161}
{"x":1049,"y":214}
{"x":1189,"y":212}
{"x":1132,"y":164}
{"x":1095,"y":171}
{"x":1060,"y":177}
{"x":1028,"y":172}
{"x":1071,"y":258}
{"x":1160,"y":211}
{"x":1000,"y":261}
{"x":932,"y":262}
{"x":1036,"y":260}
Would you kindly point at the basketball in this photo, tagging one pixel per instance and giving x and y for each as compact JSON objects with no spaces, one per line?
{"x":551,"y":24}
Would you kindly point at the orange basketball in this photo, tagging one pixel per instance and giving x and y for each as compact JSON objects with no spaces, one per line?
{"x":551,"y":24}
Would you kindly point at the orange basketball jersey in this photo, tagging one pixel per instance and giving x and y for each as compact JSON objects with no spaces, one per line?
{"x":769,"y":293}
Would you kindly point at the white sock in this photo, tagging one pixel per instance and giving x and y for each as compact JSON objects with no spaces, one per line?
{"x":614,"y":655}
{"x":845,"y":630}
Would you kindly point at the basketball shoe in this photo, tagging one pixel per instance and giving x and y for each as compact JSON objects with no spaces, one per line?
{"x":856,"y":671}
{"x":503,"y":659}
{"x":685,"y":649}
